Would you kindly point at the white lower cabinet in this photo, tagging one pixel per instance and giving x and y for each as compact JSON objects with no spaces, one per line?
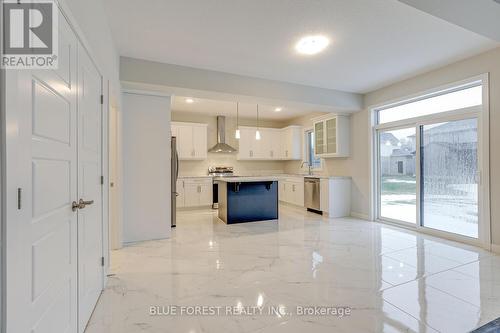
{"x":180,"y":193}
{"x":291,"y":190}
{"x":194,"y":192}
{"x":335,"y":197}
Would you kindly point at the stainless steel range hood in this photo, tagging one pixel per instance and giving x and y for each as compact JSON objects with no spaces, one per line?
{"x":221,"y":146}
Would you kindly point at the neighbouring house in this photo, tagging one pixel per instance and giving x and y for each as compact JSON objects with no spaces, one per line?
{"x":449,"y":153}
{"x":396,"y":157}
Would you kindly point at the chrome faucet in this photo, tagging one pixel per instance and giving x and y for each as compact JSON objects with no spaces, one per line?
{"x":309,"y":172}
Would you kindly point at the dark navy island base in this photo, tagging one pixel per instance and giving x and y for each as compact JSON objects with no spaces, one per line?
{"x":248,"y":201}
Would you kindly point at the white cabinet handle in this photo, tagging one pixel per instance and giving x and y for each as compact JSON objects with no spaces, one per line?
{"x":251,"y":153}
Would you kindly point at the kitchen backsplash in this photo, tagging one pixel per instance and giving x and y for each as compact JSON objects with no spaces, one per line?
{"x":241,"y":168}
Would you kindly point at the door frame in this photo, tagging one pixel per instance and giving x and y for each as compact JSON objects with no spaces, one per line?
{"x":10,"y":176}
{"x":483,"y":155}
{"x":105,"y":106}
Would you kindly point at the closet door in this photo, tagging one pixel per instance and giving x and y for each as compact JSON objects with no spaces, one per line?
{"x":90,"y":252}
{"x":41,"y":276}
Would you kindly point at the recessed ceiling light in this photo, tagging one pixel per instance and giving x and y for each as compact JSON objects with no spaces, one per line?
{"x":310,"y":45}
{"x":189,"y":100}
{"x":278,"y":109}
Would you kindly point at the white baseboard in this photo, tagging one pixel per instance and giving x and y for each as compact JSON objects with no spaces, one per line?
{"x":360,"y":216}
{"x":495,"y":248}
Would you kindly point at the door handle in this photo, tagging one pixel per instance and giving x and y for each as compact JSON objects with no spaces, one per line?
{"x":82,"y":203}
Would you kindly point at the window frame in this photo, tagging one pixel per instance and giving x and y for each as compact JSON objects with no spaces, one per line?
{"x":421,"y":97}
{"x":481,"y":112}
{"x":306,"y":149}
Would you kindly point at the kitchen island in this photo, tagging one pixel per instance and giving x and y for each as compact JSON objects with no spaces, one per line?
{"x":247,"y":199}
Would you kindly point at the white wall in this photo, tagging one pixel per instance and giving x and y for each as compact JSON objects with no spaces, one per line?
{"x":146,"y":167}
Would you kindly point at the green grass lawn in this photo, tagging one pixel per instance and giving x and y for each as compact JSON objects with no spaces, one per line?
{"x":399,"y":185}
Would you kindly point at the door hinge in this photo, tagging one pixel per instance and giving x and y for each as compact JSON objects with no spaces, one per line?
{"x":102,"y":261}
{"x":102,"y":180}
{"x":102,"y":99}
{"x":19,"y":192}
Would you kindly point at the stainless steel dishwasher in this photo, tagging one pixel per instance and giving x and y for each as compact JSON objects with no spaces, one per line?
{"x":312,"y":194}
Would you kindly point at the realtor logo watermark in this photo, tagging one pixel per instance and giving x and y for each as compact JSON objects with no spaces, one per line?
{"x":30,"y":34}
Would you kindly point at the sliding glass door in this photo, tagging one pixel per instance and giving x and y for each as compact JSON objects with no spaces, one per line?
{"x":397,"y":172}
{"x":449,"y":176}
{"x":428,"y":162}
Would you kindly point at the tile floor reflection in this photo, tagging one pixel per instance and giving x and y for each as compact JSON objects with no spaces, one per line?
{"x":393,"y":280}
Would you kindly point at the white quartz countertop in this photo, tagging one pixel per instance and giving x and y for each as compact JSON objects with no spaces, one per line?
{"x":265,"y":177}
{"x":190,"y":176}
{"x":314,"y":176}
{"x":247,"y":179}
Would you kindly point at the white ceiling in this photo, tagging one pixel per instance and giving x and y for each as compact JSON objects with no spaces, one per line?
{"x":246,"y":109}
{"x":373,"y":43}
{"x":481,"y":16}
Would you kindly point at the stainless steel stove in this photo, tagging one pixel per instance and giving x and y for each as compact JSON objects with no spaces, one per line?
{"x":218,"y":171}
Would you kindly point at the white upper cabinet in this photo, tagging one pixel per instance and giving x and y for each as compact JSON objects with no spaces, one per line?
{"x":332,"y":137}
{"x":191,"y":140}
{"x":275,"y":144}
{"x":270,"y":143}
{"x":247,"y":144}
{"x":292,"y":143}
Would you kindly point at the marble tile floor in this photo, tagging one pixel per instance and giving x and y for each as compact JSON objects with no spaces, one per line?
{"x":390,"y":279}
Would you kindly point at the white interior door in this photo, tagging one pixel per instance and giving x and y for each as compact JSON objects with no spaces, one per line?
{"x":90,"y":252}
{"x":42,"y":235}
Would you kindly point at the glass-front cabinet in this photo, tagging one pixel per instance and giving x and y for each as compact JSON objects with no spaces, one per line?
{"x":319,"y":138}
{"x":332,"y":136}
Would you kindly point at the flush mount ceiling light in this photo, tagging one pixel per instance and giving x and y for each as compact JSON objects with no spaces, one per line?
{"x":189,"y":100}
{"x":310,"y":45}
{"x":278,"y":109}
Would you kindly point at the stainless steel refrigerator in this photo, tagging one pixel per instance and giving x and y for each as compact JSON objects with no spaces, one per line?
{"x":173,"y":177}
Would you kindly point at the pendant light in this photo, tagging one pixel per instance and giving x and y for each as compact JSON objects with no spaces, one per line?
{"x":237,"y":134}
{"x":257,"y":132}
